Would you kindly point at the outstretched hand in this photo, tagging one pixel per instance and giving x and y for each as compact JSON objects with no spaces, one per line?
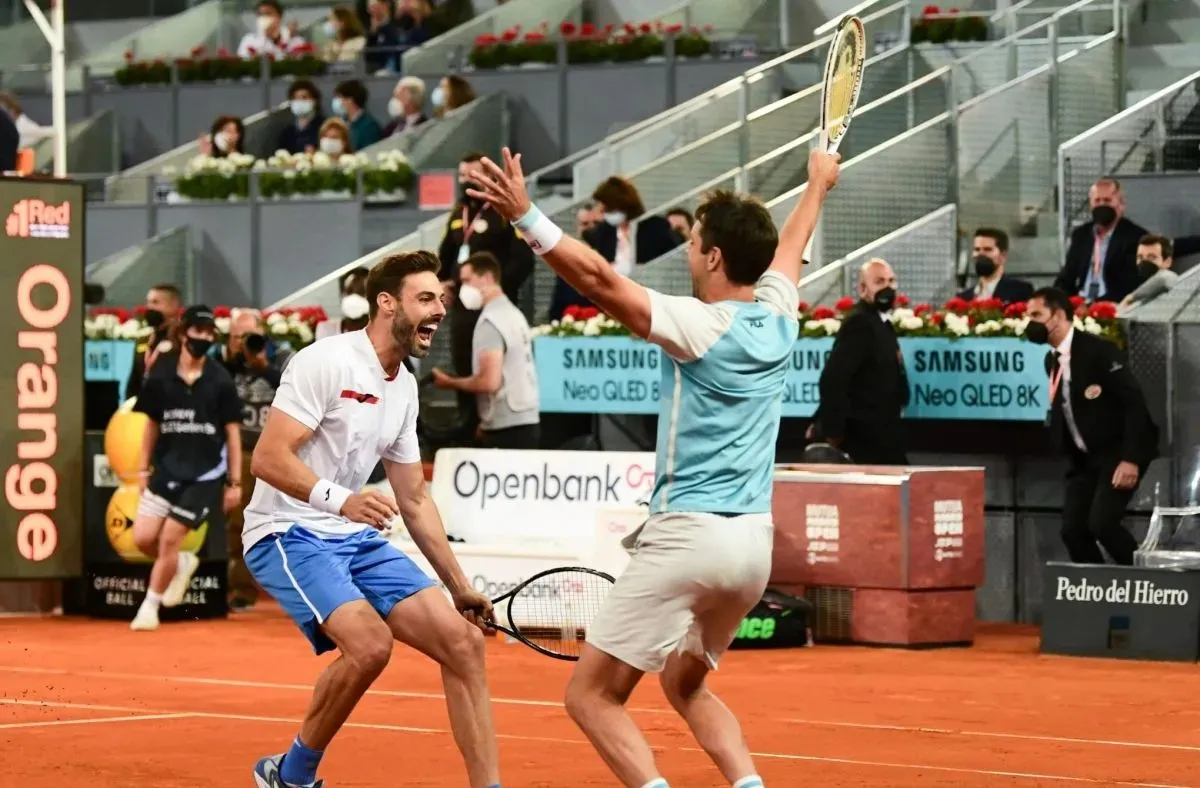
{"x":503,"y":189}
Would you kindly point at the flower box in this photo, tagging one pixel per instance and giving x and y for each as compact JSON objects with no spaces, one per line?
{"x":221,"y":66}
{"x":632,"y":42}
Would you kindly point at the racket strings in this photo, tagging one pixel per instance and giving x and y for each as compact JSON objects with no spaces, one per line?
{"x":556,"y":614}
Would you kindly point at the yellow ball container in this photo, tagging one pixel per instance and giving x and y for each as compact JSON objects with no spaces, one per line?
{"x":118,"y":524}
{"x":123,"y":441}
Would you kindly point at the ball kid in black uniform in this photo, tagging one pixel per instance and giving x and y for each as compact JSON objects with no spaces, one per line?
{"x":192,"y":447}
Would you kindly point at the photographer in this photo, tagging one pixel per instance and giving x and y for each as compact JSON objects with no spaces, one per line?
{"x":256,"y":366}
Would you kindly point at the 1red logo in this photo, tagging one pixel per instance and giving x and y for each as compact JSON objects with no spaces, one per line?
{"x":38,"y":219}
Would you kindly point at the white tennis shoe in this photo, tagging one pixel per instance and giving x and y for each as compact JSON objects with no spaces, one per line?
{"x":188,"y":564}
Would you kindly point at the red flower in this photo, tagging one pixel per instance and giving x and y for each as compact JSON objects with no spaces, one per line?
{"x":803,"y":307}
{"x":1103,"y":310}
{"x":957,"y":305}
{"x":572,"y":311}
{"x":1077,"y":301}
{"x":936,"y":318}
{"x":1015,"y":309}
{"x":952,"y":11}
{"x":128,"y":55}
{"x":630,"y":28}
{"x":588,"y":29}
{"x":568,"y":28}
{"x":587,"y":312}
{"x":845,"y":303}
{"x":674,"y":29}
{"x":535,"y":37}
{"x":222,"y":311}
{"x":930,"y":10}
{"x":902,"y":300}
{"x":823,"y":313}
{"x":509,"y":36}
{"x":922,"y":309}
{"x":485,"y":40}
{"x":646,"y":28}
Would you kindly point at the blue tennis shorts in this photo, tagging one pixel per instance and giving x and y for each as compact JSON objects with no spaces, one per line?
{"x":311,"y":577}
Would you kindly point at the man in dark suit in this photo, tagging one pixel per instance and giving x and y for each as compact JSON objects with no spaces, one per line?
{"x":163,"y":304}
{"x":1101,"y":262}
{"x":475,"y":227}
{"x":991,"y":253}
{"x":10,"y":142}
{"x":864,"y":387}
{"x":1099,"y":419}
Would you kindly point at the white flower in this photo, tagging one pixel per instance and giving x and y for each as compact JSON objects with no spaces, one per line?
{"x":590,"y":329}
{"x":1078,"y":323}
{"x":222,"y":325}
{"x":910,"y":323}
{"x":567,"y":320}
{"x":958,"y":325}
{"x":279,"y":328}
{"x":321,"y":160}
{"x":900,"y":314}
{"x":260,"y":165}
{"x":1091,"y":326}
{"x":276,"y":317}
{"x":304,"y":333}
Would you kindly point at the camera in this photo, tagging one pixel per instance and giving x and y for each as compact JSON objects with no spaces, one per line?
{"x":255,"y":343}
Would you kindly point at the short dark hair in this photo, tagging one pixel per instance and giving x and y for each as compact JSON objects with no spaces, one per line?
{"x":997,"y":235}
{"x":1165,"y":245}
{"x":742,"y":228}
{"x":681,"y":211}
{"x":354,"y":90}
{"x":484,"y":263}
{"x":389,"y":274}
{"x":470,"y":157}
{"x":170,"y":290}
{"x":1057,"y":300}
{"x":619,"y":194}
{"x":274,"y":5}
{"x":304,"y":84}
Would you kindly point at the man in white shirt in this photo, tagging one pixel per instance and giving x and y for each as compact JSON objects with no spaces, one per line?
{"x":313,"y":542}
{"x":271,"y":37}
{"x":406,"y":106}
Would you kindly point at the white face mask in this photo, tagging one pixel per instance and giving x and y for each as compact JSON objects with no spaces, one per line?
{"x":330,"y":30}
{"x":615,"y":218}
{"x":302,"y":108}
{"x":395,"y":108}
{"x":221,"y":141}
{"x":438,"y":97}
{"x":471,"y":297}
{"x":264,"y":22}
{"x":332,"y":146}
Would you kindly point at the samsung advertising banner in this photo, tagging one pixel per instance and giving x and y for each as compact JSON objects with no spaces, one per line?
{"x":41,"y":322}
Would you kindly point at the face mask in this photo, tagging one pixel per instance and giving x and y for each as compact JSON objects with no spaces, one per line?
{"x":885,"y":298}
{"x":1104,"y":215}
{"x":984,"y":266}
{"x":406,"y":22}
{"x":198,"y":347}
{"x":1147,"y":268}
{"x":438,"y":97}
{"x":462,"y":193}
{"x":331,"y":146}
{"x":395,"y":108}
{"x":338,"y":107}
{"x":615,"y":218}
{"x":1037,"y":333}
{"x":221,"y":141}
{"x":302,"y":108}
{"x":330,"y":30}
{"x":264,"y":22}
{"x":470,"y":297}
{"x":154,"y":318}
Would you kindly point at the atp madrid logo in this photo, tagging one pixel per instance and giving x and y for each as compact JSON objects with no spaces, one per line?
{"x":38,"y":219}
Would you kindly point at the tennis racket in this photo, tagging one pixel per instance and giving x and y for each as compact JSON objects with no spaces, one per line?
{"x":843,"y":81}
{"x":552,"y":611}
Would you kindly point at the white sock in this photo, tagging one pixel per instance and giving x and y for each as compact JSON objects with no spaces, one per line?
{"x":657,"y":782}
{"x":152,"y":601}
{"x":753,"y":781}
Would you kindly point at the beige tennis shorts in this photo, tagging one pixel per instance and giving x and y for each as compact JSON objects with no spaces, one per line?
{"x":690,"y":581}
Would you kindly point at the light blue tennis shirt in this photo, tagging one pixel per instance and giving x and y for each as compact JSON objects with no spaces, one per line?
{"x":722,"y":397}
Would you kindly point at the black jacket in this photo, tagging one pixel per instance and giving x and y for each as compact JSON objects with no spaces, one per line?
{"x":498,"y":237}
{"x":1107,"y":402}
{"x":10,"y":142}
{"x":294,"y":139}
{"x":864,"y":379}
{"x":1009,"y":289}
{"x":1120,"y":263}
{"x":654,"y":238}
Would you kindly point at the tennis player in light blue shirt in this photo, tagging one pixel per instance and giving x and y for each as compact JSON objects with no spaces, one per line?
{"x":701,"y":560}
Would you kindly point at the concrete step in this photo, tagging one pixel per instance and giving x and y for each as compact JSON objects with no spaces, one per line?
{"x":1177,"y":55}
{"x":1153,"y":78}
{"x":1158,"y":11}
{"x":1034,"y":256}
{"x":1175,"y":31}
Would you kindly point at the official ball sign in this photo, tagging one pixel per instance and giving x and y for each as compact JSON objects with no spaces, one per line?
{"x":975,"y":379}
{"x":41,"y":277}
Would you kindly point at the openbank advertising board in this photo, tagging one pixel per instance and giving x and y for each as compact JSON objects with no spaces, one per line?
{"x":965,"y":379}
{"x":41,"y":278}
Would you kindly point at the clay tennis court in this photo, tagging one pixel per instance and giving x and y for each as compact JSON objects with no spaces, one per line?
{"x":195,"y":704}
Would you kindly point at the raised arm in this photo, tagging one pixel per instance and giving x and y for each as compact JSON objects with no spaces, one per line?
{"x":578,"y":264}
{"x":798,"y":229}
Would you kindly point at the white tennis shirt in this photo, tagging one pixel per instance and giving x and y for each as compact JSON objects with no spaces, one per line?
{"x":337,"y":388}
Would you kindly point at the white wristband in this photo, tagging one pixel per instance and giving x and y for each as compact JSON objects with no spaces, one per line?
{"x":538,"y":231}
{"x":328,"y":497}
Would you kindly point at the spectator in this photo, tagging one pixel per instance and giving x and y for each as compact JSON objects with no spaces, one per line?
{"x":383,"y":38}
{"x":412,"y":20}
{"x":163,"y":302}
{"x":586,"y":218}
{"x":503,"y":379}
{"x":991,"y":253}
{"x":355,"y":313}
{"x":335,"y":138}
{"x":303,"y":134}
{"x":350,"y":104}
{"x":406,"y":107}
{"x":10,"y":143}
{"x":1155,"y":254}
{"x":227,"y":136}
{"x":353,"y":282}
{"x":346,"y":37}
{"x":272,"y":36}
{"x":30,"y":132}
{"x":451,"y":93}
{"x":618,"y":202}
{"x":681,"y":220}
{"x":449,"y":14}
{"x":1101,"y":262}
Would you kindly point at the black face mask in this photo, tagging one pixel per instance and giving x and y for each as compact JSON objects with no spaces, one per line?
{"x":474,"y":203}
{"x":984,"y":266}
{"x":885,"y":299}
{"x":406,"y":22}
{"x":198,"y":347}
{"x":154,"y":318}
{"x":1146,"y":269}
{"x":1037,"y":333}
{"x":1104,"y":215}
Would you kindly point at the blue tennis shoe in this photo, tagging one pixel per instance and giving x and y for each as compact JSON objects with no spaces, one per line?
{"x":266,"y":774}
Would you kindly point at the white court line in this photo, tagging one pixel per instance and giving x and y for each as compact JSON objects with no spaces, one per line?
{"x":634,"y":709}
{"x":92,"y":721}
{"x":763,"y":755}
{"x":995,"y":735}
